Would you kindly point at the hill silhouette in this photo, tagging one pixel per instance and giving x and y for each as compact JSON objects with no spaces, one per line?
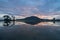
{"x":34,"y":20}
{"x":30,"y":20}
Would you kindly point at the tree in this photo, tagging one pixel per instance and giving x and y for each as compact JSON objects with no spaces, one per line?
{"x":6,"y":18}
{"x":53,"y":20}
{"x":13,"y":18}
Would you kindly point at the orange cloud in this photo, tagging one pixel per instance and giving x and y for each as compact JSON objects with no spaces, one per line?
{"x":43,"y":16}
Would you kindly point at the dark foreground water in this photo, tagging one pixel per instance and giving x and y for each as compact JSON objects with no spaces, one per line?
{"x":23,"y":31}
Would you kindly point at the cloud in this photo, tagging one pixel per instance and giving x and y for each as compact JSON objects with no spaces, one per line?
{"x":30,"y":7}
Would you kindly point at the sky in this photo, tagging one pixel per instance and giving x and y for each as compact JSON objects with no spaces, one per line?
{"x":30,"y":7}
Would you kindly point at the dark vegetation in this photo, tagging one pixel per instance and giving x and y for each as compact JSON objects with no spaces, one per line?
{"x":30,"y":20}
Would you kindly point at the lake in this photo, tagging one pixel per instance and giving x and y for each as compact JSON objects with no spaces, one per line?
{"x":26,"y":31}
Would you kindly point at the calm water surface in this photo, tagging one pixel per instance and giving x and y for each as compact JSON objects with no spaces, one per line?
{"x":24,"y":31}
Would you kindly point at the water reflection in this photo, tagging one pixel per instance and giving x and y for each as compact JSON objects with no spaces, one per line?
{"x":12,"y":23}
{"x":8,"y":23}
{"x":25,"y":31}
{"x":32,"y":23}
